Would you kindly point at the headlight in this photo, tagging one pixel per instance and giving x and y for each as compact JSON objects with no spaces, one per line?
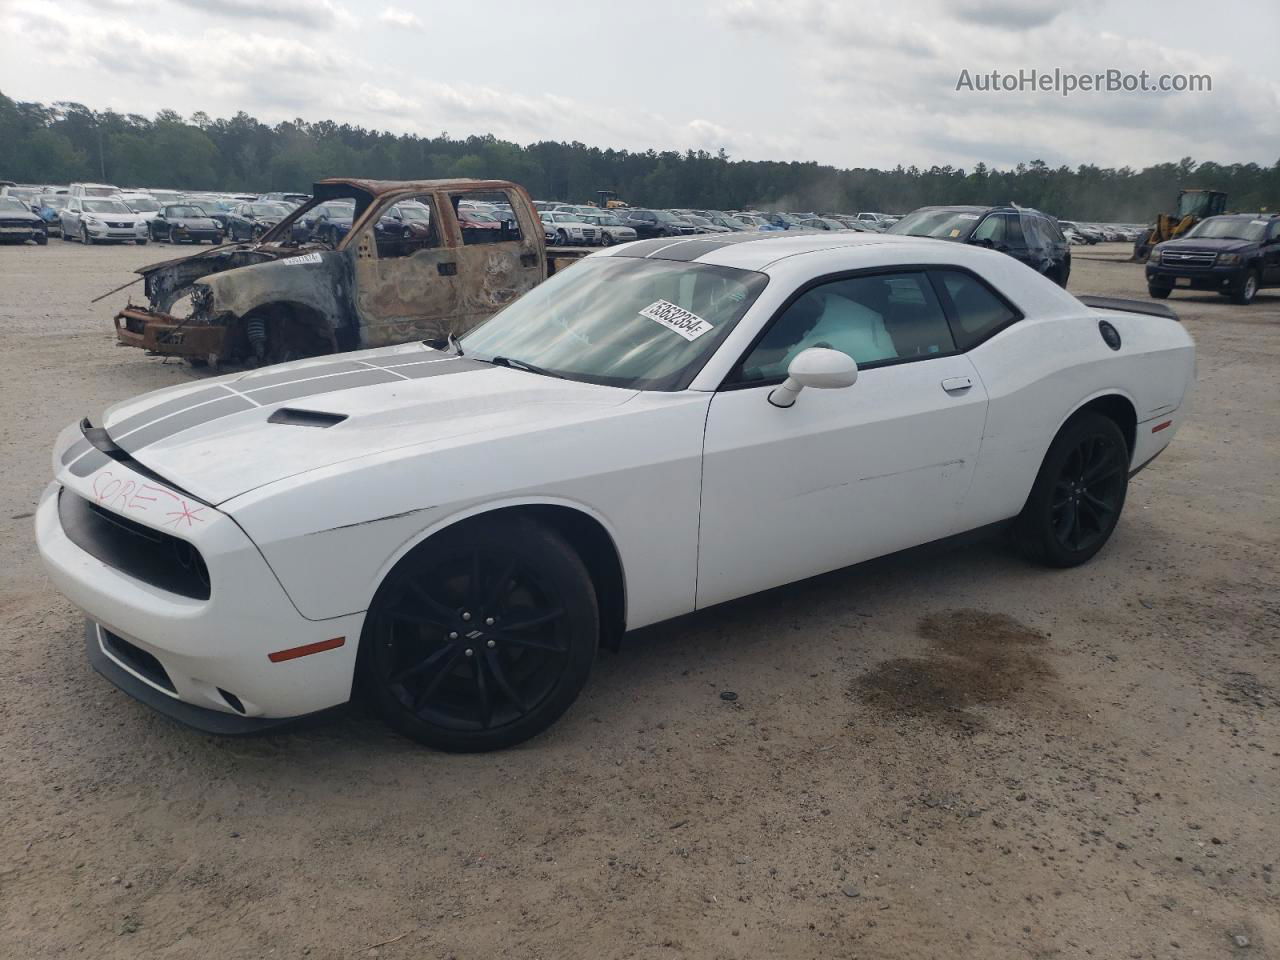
{"x":1228,"y":259}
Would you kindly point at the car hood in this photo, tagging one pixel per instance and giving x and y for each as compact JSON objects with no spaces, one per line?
{"x":21,"y":215}
{"x":194,"y":223}
{"x":220,"y":438}
{"x":1206,"y":245}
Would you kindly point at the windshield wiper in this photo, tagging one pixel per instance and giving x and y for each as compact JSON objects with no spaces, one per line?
{"x":527,"y":367}
{"x":441,"y":343}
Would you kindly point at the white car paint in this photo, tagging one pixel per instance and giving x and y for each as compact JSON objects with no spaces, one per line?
{"x":105,"y":218}
{"x":707,"y":494}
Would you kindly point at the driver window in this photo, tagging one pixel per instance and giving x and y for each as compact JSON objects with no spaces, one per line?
{"x":991,"y":229}
{"x":407,"y":226}
{"x":875,"y":320}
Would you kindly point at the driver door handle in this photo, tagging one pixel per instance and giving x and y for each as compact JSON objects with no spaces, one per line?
{"x":957,"y":384}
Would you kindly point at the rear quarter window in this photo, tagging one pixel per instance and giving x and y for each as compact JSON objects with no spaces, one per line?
{"x":976,"y":311}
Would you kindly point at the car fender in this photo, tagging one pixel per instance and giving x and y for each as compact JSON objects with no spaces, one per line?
{"x":317,"y":280}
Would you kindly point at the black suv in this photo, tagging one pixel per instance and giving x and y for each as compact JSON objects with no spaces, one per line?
{"x":657,"y":223}
{"x":1236,"y":255}
{"x":1025,"y":234}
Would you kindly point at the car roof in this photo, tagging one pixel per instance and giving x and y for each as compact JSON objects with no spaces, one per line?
{"x":756,"y":251}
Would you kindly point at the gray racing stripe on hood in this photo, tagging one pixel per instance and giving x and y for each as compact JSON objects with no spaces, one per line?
{"x":352,"y":377}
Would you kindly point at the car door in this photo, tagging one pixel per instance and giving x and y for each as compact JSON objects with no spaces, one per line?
{"x":404,"y":289}
{"x":1271,"y":255}
{"x":842,"y":475}
{"x":71,"y":218}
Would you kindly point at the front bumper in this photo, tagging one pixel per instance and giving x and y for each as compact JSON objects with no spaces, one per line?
{"x":205,"y":655}
{"x":20,"y":234}
{"x":1211,"y":277}
{"x":196,"y":235}
{"x":169,"y":336}
{"x":103,"y":658}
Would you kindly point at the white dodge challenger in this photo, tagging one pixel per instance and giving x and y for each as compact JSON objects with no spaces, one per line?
{"x":668,"y":425}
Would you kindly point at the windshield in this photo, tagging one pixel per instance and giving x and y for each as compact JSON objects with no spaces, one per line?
{"x":106,"y":206}
{"x":621,"y":321}
{"x":413,"y":213}
{"x":949,"y":224}
{"x":100,"y":191}
{"x":184,"y":211}
{"x":1228,"y":228}
{"x":13,"y":205}
{"x":268,"y":210}
{"x":54,"y":203}
{"x":665,"y":217}
{"x":143,"y":206}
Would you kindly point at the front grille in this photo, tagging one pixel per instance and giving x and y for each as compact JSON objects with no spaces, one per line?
{"x":588,"y":234}
{"x":152,"y":556}
{"x":1177,"y":258}
{"x":16,"y":223}
{"x":136,"y":659}
{"x":119,"y":226}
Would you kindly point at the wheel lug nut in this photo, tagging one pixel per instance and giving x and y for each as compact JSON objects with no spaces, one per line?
{"x":491,"y":644}
{"x":466,"y":616}
{"x":453,"y":635}
{"x":469,"y":652}
{"x":488,"y":621}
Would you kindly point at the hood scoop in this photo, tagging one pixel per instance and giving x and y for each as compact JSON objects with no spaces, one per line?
{"x":306,"y":418}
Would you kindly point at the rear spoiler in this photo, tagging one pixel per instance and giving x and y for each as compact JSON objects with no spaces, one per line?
{"x":1129,"y":306}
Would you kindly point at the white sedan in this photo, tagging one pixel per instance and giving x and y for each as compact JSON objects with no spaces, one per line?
{"x":668,"y":425}
{"x":100,"y":219}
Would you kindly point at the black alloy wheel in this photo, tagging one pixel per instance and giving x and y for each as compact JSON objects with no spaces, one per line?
{"x":481,"y":637}
{"x":1078,"y":494}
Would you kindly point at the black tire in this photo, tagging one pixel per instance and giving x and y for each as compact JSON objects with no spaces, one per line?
{"x":84,"y":236}
{"x":1079,"y":492}
{"x":41,"y":239}
{"x":562,"y":238}
{"x":606,"y":238}
{"x":1248,"y":288}
{"x":141,"y":243}
{"x":516,"y":596}
{"x":1160,"y":293}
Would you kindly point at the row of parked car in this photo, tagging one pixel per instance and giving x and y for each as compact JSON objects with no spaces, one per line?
{"x":585,"y":224}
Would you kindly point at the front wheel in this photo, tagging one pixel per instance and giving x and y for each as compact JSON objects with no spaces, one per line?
{"x":1245,"y":293}
{"x":141,"y":243}
{"x":1078,"y":494}
{"x":481,"y":637}
{"x":41,"y":239}
{"x":84,"y":236}
{"x":1160,"y":293}
{"x":562,"y":238}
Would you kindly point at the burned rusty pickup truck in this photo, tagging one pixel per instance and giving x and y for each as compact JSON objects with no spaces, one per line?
{"x":404,"y":266}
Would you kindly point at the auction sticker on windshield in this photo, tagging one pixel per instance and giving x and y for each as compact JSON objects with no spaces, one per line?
{"x":689,"y":325}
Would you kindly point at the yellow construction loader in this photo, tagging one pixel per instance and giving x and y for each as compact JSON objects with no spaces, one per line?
{"x":1193,"y":206}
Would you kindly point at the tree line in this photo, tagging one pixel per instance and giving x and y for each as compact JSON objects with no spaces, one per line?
{"x":65,"y":142}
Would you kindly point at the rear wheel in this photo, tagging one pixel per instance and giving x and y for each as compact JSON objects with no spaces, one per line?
{"x":1245,"y":293}
{"x":481,"y":637}
{"x":1078,"y":495}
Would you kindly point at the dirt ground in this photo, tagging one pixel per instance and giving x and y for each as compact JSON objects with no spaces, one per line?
{"x":952,"y":754}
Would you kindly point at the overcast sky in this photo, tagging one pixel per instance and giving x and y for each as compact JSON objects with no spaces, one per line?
{"x":868,"y":83}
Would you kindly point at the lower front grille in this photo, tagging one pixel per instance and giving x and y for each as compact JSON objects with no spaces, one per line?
{"x":136,"y":659}
{"x":152,"y":556}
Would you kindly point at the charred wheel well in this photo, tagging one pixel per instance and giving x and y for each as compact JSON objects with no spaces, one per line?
{"x":292,"y":330}
{"x":1119,"y":409}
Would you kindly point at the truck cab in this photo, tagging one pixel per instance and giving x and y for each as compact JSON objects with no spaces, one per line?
{"x":388,"y":278}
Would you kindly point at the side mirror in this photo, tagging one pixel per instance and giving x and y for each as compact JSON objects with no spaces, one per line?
{"x":981,"y":242}
{"x":817,"y":367}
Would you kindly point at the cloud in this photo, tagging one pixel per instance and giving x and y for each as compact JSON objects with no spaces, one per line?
{"x":1008,"y":14}
{"x":405,"y":19}
{"x":311,"y":14}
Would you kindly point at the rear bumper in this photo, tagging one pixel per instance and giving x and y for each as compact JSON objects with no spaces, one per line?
{"x":163,"y":334}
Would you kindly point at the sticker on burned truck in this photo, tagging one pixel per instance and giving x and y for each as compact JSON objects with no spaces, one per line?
{"x":684,"y":322}
{"x":305,"y":258}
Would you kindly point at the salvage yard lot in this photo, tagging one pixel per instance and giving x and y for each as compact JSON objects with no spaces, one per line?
{"x":945,"y":754}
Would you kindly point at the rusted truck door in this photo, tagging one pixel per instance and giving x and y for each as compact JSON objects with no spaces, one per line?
{"x":407,"y":275}
{"x":500,"y":252}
